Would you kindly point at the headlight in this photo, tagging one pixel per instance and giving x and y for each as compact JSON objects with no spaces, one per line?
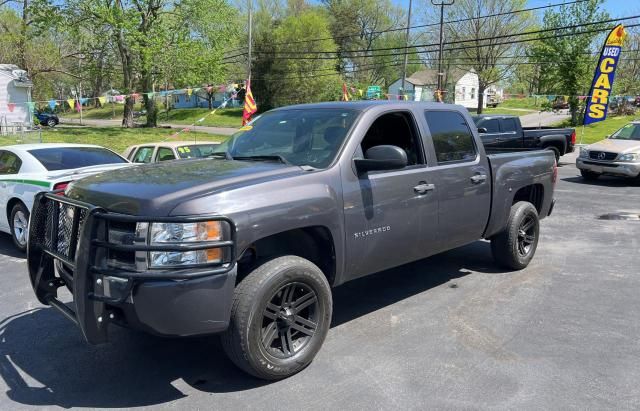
{"x":181,"y":233}
{"x":629,"y":157}
{"x":584,"y":152}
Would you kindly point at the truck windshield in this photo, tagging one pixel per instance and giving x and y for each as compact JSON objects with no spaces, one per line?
{"x":628,"y":132}
{"x":301,"y":137}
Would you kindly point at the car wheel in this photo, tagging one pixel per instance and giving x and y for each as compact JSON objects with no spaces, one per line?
{"x":556,"y":153}
{"x":19,"y":222}
{"x":280,"y":316}
{"x":589,"y":175}
{"x":516,"y":245}
{"x":51,"y":122}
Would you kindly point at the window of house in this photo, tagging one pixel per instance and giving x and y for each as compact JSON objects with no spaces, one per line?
{"x":397,"y":129}
{"x":165,"y":154}
{"x":464,"y":93}
{"x":9,"y":163}
{"x":143,"y":155}
{"x":473,"y":93}
{"x":451,"y":135}
{"x":176,"y":98}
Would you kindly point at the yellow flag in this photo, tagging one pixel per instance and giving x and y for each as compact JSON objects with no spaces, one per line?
{"x":70,"y":102}
{"x":102,"y":100}
{"x":189,"y":91}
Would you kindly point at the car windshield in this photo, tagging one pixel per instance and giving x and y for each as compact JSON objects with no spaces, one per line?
{"x":628,"y":132}
{"x":309,"y":137}
{"x":65,"y":158}
{"x":197,"y":150}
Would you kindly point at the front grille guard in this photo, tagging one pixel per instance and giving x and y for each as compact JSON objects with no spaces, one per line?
{"x":83,"y":245}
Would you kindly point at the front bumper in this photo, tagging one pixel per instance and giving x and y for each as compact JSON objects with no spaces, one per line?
{"x":70,"y":245}
{"x":617,"y":168}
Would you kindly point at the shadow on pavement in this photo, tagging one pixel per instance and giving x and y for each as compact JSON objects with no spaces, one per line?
{"x":7,"y":247}
{"x":44,"y":360}
{"x":604,"y":181}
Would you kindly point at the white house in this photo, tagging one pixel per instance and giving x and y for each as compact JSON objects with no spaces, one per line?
{"x":461,"y":86}
{"x":15,"y":92}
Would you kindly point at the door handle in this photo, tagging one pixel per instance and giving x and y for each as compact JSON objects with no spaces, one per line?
{"x":500,"y":139}
{"x":478,"y":178}
{"x":423,"y":188}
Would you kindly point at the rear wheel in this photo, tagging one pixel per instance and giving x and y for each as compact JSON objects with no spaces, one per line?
{"x":516,"y":245}
{"x":589,"y":175}
{"x":280,"y":317}
{"x":51,"y":122}
{"x":19,"y":222}
{"x":556,"y":153}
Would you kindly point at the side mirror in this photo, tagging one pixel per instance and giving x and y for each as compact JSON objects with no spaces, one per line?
{"x":385,"y":157}
{"x":482,"y":130}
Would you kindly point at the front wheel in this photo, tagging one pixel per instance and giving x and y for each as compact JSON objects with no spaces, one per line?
{"x":51,"y":122}
{"x":280,"y":317}
{"x":19,"y":222}
{"x":515,"y":246}
{"x":589,"y":175}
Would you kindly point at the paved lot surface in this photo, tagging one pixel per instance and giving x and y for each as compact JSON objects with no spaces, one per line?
{"x":562,"y":334}
{"x":543,"y":118}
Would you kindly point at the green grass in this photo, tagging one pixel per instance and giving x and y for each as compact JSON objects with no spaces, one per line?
{"x":599,"y":131}
{"x":229,"y":117}
{"x":530,"y":103}
{"x":507,"y":111}
{"x":115,"y":138}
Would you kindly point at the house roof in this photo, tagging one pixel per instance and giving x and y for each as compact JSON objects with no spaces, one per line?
{"x":10,"y":71}
{"x":430,"y":76}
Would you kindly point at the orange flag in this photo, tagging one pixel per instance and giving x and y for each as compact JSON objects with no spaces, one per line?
{"x":345,"y":93}
{"x":249,"y":105}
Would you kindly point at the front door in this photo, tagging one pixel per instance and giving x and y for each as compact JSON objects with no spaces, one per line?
{"x":464,"y":189}
{"x":390,"y":216}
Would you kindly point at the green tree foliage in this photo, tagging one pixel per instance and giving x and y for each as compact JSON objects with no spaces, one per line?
{"x":566,"y":67}
{"x":628,"y":72}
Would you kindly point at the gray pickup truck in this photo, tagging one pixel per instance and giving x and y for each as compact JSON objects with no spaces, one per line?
{"x":249,"y":241}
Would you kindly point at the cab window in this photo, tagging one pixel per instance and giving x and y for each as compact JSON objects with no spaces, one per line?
{"x":396,"y":129}
{"x":143,"y":155}
{"x":9,"y":163}
{"x":165,"y":154}
{"x":509,"y":125}
{"x":451,"y":135}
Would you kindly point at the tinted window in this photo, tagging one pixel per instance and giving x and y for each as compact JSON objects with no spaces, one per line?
{"x":492,"y":125}
{"x":302,"y":137}
{"x":509,"y":125}
{"x":196,"y":150}
{"x":9,"y":163}
{"x":397,"y":129}
{"x":452,"y":138}
{"x":64,"y":158}
{"x":143,"y":155}
{"x":165,"y":154}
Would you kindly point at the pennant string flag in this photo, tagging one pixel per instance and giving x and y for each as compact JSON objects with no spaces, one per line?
{"x":250,"y":107}
{"x":52,"y":104}
{"x":11,"y":107}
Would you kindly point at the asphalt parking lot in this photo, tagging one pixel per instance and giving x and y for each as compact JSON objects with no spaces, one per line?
{"x":452,"y":331}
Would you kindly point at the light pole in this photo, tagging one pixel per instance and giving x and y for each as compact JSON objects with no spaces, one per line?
{"x":440,"y":73}
{"x":406,"y":47}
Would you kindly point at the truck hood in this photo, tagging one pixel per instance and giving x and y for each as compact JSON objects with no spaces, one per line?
{"x":616,"y":146}
{"x":156,"y":189}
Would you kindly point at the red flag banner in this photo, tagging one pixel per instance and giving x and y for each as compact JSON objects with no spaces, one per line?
{"x":249,"y":105}
{"x":345,"y":93}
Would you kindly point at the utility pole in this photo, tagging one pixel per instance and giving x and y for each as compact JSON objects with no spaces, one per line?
{"x":440,"y":73}
{"x":406,"y":47}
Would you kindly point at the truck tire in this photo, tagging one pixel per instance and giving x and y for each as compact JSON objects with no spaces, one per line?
{"x":589,"y":175}
{"x":556,"y":152}
{"x":515,"y":246}
{"x":19,"y":222}
{"x":280,"y":316}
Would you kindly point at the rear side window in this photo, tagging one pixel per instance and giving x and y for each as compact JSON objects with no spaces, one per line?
{"x":165,"y":154}
{"x":9,"y":163}
{"x":452,"y":138}
{"x":509,"y":125}
{"x":143,"y":155}
{"x":65,"y":158}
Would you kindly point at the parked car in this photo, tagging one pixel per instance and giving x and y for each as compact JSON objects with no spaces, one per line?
{"x":165,"y":151}
{"x":501,"y":133}
{"x":47,"y":119}
{"x":617,"y":155}
{"x":249,"y":241}
{"x":28,"y":169}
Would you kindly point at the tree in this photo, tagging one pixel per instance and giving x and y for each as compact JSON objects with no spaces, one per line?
{"x":628,"y":71}
{"x":565,"y":61}
{"x":478,"y":43}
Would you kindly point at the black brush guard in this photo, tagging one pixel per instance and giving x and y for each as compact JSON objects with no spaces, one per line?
{"x":76,"y":234}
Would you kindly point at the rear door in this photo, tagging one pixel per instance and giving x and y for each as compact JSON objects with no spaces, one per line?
{"x":510,"y":134}
{"x":10,"y":165}
{"x":462,"y":176}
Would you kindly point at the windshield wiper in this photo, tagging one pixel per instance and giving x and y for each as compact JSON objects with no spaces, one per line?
{"x":274,"y":157}
{"x":221,"y":154}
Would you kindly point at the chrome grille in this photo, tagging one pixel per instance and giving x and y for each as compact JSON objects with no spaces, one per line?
{"x":602,"y":155}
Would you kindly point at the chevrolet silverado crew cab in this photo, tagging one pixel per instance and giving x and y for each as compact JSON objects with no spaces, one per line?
{"x":249,"y":241}
{"x":503,"y":133}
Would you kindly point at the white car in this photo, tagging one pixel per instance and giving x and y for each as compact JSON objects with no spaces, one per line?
{"x":169,"y":150}
{"x":28,"y":169}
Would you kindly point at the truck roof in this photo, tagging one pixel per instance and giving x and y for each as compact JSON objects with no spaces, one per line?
{"x":493,"y":115}
{"x":364,"y":105}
